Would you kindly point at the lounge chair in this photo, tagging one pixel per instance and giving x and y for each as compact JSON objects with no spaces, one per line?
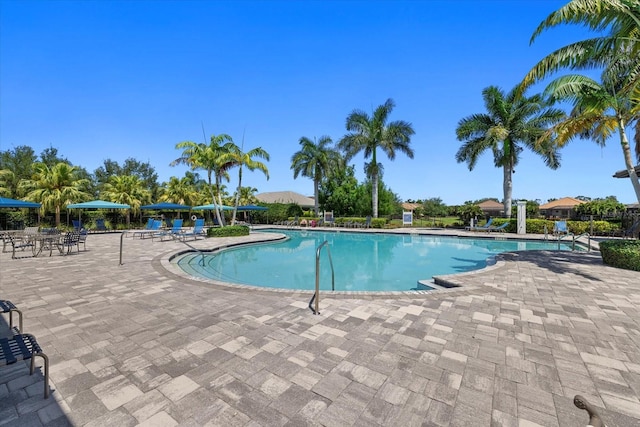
{"x":482,"y":227}
{"x":631,"y":232}
{"x":198,"y":230}
{"x":366,"y":224}
{"x":77,"y":225}
{"x":24,"y":347}
{"x":174,"y":232}
{"x":498,"y":227}
{"x":329,"y":220}
{"x":153,"y":226}
{"x":293,"y":223}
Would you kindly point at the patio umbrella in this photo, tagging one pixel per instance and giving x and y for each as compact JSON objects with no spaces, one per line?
{"x":252,"y":208}
{"x":211,"y":207}
{"x":13,"y":203}
{"x":165,"y":206}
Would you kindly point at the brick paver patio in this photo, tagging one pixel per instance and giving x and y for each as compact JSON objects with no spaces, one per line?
{"x":140,"y":344}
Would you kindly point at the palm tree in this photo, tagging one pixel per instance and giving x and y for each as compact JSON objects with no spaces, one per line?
{"x":179,"y":190}
{"x":129,"y":190}
{"x":54,"y":187}
{"x":622,"y":20}
{"x":211,"y":159}
{"x":367,"y":134}
{"x":315,"y":161}
{"x":599,"y":109}
{"x":620,"y":17}
{"x":512,"y":120}
{"x":241,"y":159}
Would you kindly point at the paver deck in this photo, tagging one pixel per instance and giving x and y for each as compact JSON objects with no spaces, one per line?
{"x":139,"y":344}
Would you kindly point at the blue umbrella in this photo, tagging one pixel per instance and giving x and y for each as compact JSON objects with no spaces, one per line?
{"x":211,"y":207}
{"x":166,"y":206}
{"x":13,"y":203}
{"x":252,"y":208}
{"x":97,"y":204}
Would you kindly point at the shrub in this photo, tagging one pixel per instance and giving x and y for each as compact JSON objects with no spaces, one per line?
{"x":228,"y":231}
{"x":621,"y":253}
{"x":378,"y":222}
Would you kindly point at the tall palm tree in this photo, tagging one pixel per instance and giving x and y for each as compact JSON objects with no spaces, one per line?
{"x":512,"y":121}
{"x":368,"y":134}
{"x":54,"y":187}
{"x":246,"y":159}
{"x":211,"y":159}
{"x":599,"y":109}
{"x":621,"y":21}
{"x":129,"y":190}
{"x":315,"y":160}
{"x":620,"y":17}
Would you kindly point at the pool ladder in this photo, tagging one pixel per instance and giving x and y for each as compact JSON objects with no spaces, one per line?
{"x":573,"y":237}
{"x":316,"y":296}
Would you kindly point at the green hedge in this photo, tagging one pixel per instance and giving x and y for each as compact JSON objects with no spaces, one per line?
{"x":228,"y":231}
{"x":536,"y":226}
{"x":621,"y":253}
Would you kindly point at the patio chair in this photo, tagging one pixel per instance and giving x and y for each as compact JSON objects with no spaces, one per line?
{"x":24,"y":347}
{"x":20,"y":242}
{"x":82,"y":240}
{"x":100,"y":225}
{"x":483,"y":227}
{"x":174,"y":232}
{"x":560,"y":228}
{"x":329,"y":220}
{"x":197,"y":230}
{"x":67,"y":243}
{"x":7,"y":306}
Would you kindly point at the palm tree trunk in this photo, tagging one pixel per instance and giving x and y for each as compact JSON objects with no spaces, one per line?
{"x":58,"y":216}
{"x":213,"y":197}
{"x":507,"y":187}
{"x":316,"y":184}
{"x":235,"y":209}
{"x":374,"y":193}
{"x":628,"y":159}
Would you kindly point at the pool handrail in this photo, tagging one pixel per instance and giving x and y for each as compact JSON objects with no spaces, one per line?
{"x":316,"y":295}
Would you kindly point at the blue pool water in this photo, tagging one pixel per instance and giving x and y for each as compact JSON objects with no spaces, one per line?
{"x":362,"y":261}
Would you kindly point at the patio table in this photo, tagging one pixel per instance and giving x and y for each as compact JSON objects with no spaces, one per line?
{"x":45,"y":241}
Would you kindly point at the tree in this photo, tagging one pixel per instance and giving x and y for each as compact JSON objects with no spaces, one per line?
{"x":315,"y":160}
{"x":338,"y":189}
{"x":212,"y":159}
{"x":129,"y":190}
{"x":246,"y":159}
{"x":368,"y":134}
{"x":512,"y":121}
{"x":434,"y":207}
{"x":54,"y":187}
{"x":599,"y":109}
{"x":16,"y":165}
{"x":144,"y":171}
{"x":179,"y":190}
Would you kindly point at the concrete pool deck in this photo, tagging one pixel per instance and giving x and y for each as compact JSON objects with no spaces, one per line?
{"x":139,"y":344}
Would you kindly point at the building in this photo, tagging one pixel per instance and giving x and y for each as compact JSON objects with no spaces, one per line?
{"x":491,"y":208}
{"x":561,"y":208}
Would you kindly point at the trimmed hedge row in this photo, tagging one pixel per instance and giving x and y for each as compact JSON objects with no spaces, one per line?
{"x":228,"y":231}
{"x":621,"y":253}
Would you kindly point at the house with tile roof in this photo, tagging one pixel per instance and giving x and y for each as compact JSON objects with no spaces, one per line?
{"x":561,"y":208}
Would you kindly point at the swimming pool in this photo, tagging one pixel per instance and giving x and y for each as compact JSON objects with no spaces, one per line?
{"x":362,"y":261}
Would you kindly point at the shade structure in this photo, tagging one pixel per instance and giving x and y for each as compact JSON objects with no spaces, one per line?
{"x":98,"y":204}
{"x":13,"y":203}
{"x":625,"y":174}
{"x":165,"y":206}
{"x":211,"y":207}
{"x":252,"y":208}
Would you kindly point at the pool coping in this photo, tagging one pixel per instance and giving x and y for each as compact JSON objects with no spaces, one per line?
{"x":445,"y":283}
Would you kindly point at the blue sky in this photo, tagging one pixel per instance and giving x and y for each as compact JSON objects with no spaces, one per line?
{"x":119,"y":79}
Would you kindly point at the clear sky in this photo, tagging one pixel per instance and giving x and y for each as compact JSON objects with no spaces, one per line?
{"x":117,"y":79}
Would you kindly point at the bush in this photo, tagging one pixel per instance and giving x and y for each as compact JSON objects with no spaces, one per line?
{"x":621,"y":253}
{"x":378,"y":222}
{"x":228,"y":231}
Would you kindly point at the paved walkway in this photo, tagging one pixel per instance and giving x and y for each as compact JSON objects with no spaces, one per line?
{"x":138,"y":344}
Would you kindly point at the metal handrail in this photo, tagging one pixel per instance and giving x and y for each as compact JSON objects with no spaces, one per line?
{"x":573,"y":248}
{"x":560,"y":237}
{"x":316,"y":295}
